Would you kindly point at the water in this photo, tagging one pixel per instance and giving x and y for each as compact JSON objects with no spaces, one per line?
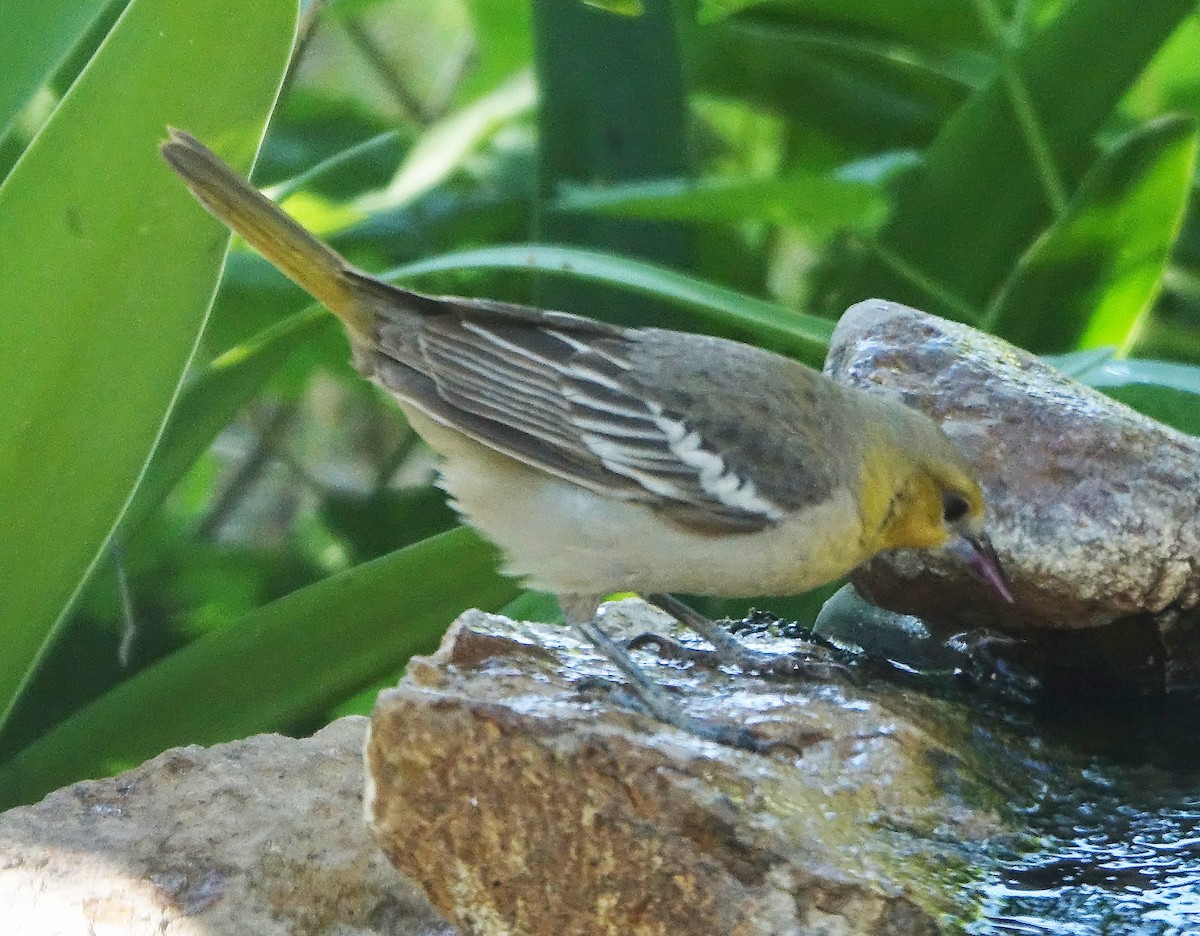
{"x":1120,"y":835}
{"x":1108,"y":788}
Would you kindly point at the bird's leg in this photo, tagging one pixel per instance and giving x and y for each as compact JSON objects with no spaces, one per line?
{"x":724,"y":643}
{"x":651,"y":697}
{"x":728,"y":650}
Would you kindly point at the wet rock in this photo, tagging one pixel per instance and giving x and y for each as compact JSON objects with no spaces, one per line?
{"x":1093,"y":507}
{"x":261,"y":837}
{"x":524,"y":802}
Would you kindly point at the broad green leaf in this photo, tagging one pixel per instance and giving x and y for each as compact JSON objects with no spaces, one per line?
{"x":1090,"y":279}
{"x":715,"y":308}
{"x":35,"y":35}
{"x":814,"y":201}
{"x":342,"y":9}
{"x":1163,"y":390}
{"x":109,"y":267}
{"x":278,"y":664}
{"x":983,"y":193}
{"x":527,"y":606}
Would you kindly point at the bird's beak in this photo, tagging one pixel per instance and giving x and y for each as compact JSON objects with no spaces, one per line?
{"x":978,"y":554}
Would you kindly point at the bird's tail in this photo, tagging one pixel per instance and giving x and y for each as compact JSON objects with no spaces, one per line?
{"x":309,"y":262}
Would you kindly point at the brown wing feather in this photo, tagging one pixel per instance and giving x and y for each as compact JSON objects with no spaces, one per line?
{"x":587,"y":402}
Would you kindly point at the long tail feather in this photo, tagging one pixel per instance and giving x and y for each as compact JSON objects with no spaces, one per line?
{"x":303,"y":258}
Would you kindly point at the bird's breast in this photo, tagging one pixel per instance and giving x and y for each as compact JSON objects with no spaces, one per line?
{"x":568,"y":539}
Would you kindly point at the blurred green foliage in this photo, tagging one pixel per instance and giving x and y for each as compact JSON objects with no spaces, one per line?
{"x":274,"y":550}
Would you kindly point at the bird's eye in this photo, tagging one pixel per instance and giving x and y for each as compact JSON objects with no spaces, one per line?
{"x":954,"y":507}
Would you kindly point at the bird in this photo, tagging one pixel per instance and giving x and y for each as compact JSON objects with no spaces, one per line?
{"x":604,"y":459}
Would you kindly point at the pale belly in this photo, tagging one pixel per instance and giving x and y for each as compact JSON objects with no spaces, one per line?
{"x":566,"y":539}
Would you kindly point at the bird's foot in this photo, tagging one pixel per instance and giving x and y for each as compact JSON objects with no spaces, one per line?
{"x":644,"y":695}
{"x":614,"y":691}
{"x":989,"y":666}
{"x":815,"y":664}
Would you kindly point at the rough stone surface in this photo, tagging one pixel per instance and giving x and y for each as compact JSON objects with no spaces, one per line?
{"x":261,"y":837}
{"x":1093,"y":507}
{"x":525,"y":803}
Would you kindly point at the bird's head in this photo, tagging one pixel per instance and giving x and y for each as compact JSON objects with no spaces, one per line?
{"x":933,"y":497}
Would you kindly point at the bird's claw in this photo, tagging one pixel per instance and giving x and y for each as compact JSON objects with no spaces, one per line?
{"x":735,"y":736}
{"x":813,"y":664}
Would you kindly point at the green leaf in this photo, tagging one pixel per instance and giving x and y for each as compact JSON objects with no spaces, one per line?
{"x":1129,"y":371}
{"x":715,"y":308}
{"x":618,"y":7}
{"x":371,"y":525}
{"x":982,"y":196}
{"x":286,"y":660}
{"x":503,"y":44}
{"x":1169,"y":82}
{"x":814,"y":201}
{"x":378,"y":144}
{"x":923,"y":21}
{"x":591,"y":67}
{"x":1078,"y":364}
{"x":443,"y":147}
{"x":534,"y":606}
{"x":210,"y":401}
{"x":1163,"y":390}
{"x":108,"y":271}
{"x":1091,"y":278}
{"x":1177,"y":408}
{"x":867,"y":91}
{"x":35,"y":35}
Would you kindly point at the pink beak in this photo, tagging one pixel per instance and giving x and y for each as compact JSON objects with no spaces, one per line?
{"x":980,"y":557}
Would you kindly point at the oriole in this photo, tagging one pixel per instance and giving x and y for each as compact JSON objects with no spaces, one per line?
{"x":604,"y":459}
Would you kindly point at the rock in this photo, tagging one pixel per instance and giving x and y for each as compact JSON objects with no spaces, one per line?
{"x":524,"y":803}
{"x":261,"y":837}
{"x":1093,"y":507}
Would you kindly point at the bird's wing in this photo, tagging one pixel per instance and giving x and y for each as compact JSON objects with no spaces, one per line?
{"x":574,"y":397}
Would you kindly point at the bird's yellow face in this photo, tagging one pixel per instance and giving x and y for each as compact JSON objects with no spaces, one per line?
{"x":930,"y":500}
{"x":933,"y":506}
{"x":918,"y":491}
